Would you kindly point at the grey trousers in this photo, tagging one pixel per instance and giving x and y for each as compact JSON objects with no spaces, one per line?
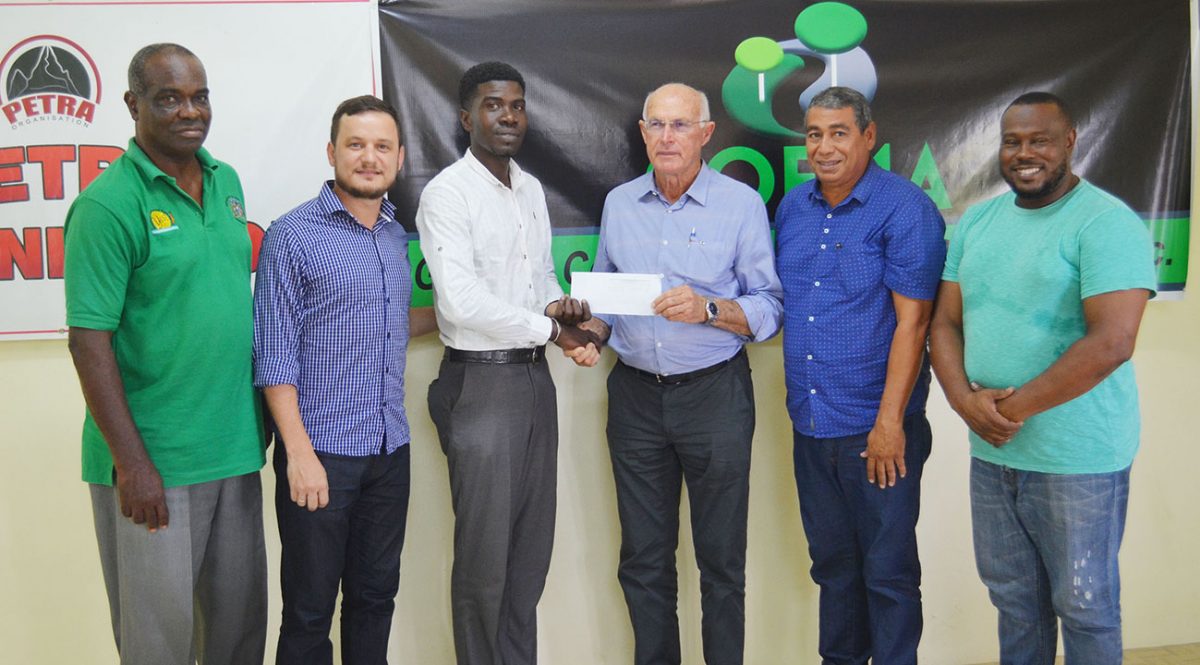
{"x":195,"y":591}
{"x":498,"y":425}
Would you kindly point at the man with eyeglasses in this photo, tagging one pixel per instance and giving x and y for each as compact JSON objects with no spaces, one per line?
{"x":860,"y":251}
{"x":681,"y":404}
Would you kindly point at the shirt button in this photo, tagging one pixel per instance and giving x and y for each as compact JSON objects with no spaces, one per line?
{"x":658,"y":344}
{"x":389,"y":335}
{"x":669,"y":211}
{"x":810,"y":318}
{"x":817,"y":283}
{"x":822,"y":245}
{"x":808,"y":357}
{"x":661,"y":276}
{"x":525,"y":256}
{"x":813,"y":391}
{"x":829,"y":215}
{"x":664,"y":242}
{"x":826,"y":230}
{"x":387,"y":370}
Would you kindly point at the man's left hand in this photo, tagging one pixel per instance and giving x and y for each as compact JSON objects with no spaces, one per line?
{"x":681,"y":304}
{"x":885,"y":454}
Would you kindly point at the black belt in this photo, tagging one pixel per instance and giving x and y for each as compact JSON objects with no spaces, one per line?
{"x":498,"y":356}
{"x":672,"y":379}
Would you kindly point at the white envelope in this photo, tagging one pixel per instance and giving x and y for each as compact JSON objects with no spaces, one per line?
{"x":617,"y":293}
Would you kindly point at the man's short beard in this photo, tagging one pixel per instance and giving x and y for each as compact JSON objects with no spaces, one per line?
{"x":369,"y":194}
{"x":1052,"y":183}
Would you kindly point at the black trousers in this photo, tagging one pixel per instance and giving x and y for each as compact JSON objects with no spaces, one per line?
{"x":498,"y":425}
{"x":354,"y":542}
{"x":660,"y":436}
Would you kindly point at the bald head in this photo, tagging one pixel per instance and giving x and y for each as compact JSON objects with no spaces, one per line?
{"x":682,"y":91}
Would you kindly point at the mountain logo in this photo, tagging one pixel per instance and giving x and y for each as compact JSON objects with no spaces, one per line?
{"x":48,"y":78}
{"x":828,"y":32}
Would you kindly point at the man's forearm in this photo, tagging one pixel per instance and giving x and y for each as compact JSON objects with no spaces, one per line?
{"x":903,"y":367}
{"x":946,"y":357}
{"x":284,"y":402}
{"x":104,"y":392}
{"x":732,"y":318}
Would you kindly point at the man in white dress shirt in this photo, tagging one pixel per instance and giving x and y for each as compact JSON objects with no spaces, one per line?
{"x":485,"y":234}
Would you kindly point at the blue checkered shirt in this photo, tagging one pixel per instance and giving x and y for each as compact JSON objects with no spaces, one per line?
{"x":331,"y":318}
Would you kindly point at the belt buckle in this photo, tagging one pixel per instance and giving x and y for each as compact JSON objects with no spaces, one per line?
{"x":658,"y":377}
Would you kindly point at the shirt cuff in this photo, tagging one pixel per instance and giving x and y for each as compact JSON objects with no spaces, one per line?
{"x":541,"y":326}
{"x":275,"y":372}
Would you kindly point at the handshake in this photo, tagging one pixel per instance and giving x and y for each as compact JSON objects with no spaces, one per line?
{"x":580,"y":340}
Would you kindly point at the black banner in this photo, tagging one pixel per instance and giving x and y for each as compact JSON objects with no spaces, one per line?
{"x":938,"y":74}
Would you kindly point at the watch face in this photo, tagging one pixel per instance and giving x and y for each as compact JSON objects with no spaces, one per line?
{"x":712,"y":310}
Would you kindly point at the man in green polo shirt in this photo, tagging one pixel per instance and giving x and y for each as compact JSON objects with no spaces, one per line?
{"x":159,"y":309}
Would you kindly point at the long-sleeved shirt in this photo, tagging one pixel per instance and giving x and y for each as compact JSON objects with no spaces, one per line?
{"x":715,"y":238}
{"x":331,"y":318}
{"x":488,"y":251}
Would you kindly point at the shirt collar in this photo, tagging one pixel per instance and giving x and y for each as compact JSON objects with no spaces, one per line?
{"x":862,"y":191}
{"x":152,"y":171}
{"x":698,"y":192}
{"x":515,"y":175}
{"x":331,"y":205}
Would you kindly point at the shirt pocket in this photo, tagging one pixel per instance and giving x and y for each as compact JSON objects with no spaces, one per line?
{"x":859,"y":265}
{"x":709,"y":266}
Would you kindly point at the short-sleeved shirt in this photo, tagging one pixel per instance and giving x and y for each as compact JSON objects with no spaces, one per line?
{"x":171,"y":280}
{"x":839,"y":266}
{"x":1024,"y":275}
{"x":331,"y":318}
{"x":715,"y":238}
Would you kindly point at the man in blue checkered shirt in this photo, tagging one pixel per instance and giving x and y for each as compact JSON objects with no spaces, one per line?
{"x":331,"y":327}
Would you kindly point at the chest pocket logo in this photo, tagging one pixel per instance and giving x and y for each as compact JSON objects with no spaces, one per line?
{"x":236,"y":208}
{"x":162,"y":222}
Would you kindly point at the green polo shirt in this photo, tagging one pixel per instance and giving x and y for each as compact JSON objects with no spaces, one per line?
{"x":171,"y":280}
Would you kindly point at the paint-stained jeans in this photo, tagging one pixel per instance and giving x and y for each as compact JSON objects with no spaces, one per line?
{"x":1046,"y":547}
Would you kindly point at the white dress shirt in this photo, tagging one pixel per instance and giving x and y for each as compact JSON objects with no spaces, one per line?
{"x":488,"y":251}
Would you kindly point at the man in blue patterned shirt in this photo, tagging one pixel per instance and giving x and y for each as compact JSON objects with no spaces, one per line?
{"x":860,"y":252}
{"x":331,"y":326}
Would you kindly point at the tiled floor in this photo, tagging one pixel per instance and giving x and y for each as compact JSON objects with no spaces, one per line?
{"x":1179,"y":654}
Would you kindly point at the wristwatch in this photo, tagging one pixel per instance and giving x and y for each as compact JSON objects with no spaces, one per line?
{"x":710,"y":312}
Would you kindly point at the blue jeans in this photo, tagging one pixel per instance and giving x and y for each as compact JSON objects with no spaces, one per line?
{"x":863,"y":545}
{"x":354,"y":542}
{"x":1046,"y":548}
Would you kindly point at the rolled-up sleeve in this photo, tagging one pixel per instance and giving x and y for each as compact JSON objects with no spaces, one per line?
{"x":761,"y":296}
{"x":277,"y":308}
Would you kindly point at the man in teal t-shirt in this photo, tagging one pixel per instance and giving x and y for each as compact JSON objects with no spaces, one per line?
{"x":1036,"y":320}
{"x":159,"y":309}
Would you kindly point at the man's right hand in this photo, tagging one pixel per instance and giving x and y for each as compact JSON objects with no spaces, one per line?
{"x":143,"y":500}
{"x":306,"y":478}
{"x":569,"y":311}
{"x":978,"y":409}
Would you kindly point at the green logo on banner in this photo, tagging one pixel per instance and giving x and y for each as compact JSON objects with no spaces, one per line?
{"x":827,"y":31}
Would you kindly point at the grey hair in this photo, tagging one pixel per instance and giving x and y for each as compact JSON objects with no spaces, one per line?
{"x":705,"y":116}
{"x":839,"y":97}
{"x":137,"y":67}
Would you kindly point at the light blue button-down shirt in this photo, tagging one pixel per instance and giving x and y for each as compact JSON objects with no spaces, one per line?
{"x":717,"y":239}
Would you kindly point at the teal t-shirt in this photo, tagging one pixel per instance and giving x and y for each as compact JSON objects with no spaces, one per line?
{"x":1024,"y":275}
{"x":171,"y":280}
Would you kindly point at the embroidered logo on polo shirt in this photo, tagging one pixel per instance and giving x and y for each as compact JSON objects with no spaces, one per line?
{"x":162,"y":222}
{"x":235,"y":207}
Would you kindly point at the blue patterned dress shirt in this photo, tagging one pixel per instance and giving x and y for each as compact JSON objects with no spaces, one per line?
{"x":331,"y":317}
{"x":839,"y":267}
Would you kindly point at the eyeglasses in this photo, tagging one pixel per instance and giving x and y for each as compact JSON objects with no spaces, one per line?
{"x":680,"y":127}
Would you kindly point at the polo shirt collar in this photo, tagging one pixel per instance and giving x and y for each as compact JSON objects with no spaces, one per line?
{"x":698,"y":192}
{"x":151,"y":171}
{"x":515,"y":175}
{"x":862,"y":191}
{"x":331,"y":206}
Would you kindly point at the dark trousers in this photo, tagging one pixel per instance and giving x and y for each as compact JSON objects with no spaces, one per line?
{"x":863,"y":545}
{"x":355,"y":541}
{"x":498,"y":425}
{"x":659,"y":436}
